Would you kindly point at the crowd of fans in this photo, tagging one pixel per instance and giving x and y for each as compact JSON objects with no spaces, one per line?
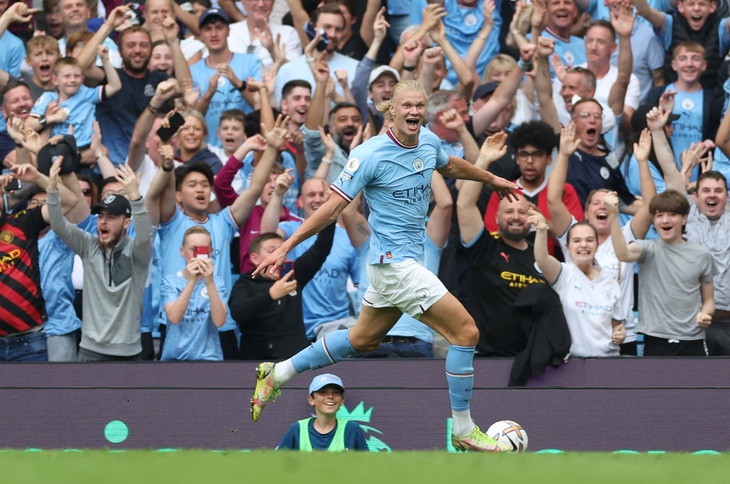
{"x":154,"y":154}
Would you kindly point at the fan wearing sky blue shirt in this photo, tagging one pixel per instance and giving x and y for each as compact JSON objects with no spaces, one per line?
{"x":189,"y":206}
{"x":193,"y":299}
{"x":394,"y":171}
{"x":78,"y":101}
{"x":226,"y":69}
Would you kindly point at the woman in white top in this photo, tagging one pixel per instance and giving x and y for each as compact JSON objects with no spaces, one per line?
{"x":597,"y":214}
{"x":590,"y":296}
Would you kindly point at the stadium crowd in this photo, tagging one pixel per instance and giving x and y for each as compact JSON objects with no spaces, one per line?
{"x":154,"y":154}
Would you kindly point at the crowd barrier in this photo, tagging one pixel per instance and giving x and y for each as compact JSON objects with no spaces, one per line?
{"x":612,"y":404}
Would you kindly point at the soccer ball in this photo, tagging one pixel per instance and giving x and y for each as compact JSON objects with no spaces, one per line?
{"x":510,"y":433}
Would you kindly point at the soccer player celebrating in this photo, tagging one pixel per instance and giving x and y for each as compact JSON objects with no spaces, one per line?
{"x":394,"y":171}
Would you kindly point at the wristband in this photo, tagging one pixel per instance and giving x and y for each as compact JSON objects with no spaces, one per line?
{"x":243,"y":86}
{"x":42,"y":121}
{"x":409,"y":68}
{"x":167,"y":170}
{"x":525,"y":66}
{"x":327,"y":161}
{"x":311,"y":60}
{"x":154,"y":111}
{"x":20,"y":145}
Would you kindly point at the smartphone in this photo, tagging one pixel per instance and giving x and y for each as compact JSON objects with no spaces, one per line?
{"x":176,"y":121}
{"x":13,"y":185}
{"x":311,"y":33}
{"x":286,"y":267}
{"x":201,"y":252}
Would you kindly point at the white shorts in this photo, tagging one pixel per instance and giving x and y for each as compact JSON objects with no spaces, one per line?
{"x":406,"y":285}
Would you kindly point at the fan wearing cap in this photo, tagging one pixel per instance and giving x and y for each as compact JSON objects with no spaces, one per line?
{"x":115,"y":271}
{"x":324,"y":431}
{"x":380,"y":88}
{"x":221,"y":78}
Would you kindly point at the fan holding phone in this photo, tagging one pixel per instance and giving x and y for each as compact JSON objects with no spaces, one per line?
{"x":325,"y":32}
{"x":268,"y":309}
{"x":194,"y":303}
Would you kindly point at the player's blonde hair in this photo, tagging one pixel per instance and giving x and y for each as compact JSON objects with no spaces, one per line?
{"x":407,"y":85}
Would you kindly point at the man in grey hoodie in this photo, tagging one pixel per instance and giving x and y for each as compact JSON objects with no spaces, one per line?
{"x":115,"y":270}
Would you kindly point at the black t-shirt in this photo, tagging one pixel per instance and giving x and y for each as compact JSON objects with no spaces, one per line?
{"x":588,"y":172}
{"x":497,"y":274}
{"x":21,"y":299}
{"x":118,"y":114}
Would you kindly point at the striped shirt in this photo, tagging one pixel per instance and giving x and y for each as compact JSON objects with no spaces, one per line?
{"x":21,"y":301}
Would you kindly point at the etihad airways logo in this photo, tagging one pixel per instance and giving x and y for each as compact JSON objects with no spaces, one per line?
{"x":414,"y":194}
{"x":520,"y":281}
{"x":8,"y":260}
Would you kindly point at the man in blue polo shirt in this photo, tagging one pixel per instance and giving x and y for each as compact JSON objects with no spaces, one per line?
{"x":227,"y":69}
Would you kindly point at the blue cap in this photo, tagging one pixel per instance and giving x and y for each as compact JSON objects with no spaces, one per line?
{"x":212,"y":13}
{"x":321,"y":381}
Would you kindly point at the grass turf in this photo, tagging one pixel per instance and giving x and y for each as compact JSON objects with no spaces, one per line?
{"x":200,"y":466}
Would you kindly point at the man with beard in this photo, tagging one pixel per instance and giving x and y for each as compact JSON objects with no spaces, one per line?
{"x":500,"y":264}
{"x":344,"y":122}
{"x":118,"y":115}
{"x":115,"y":270}
{"x":533,"y":143}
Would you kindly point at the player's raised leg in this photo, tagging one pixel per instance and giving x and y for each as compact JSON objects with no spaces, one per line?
{"x":448,"y":317}
{"x":369,"y":330}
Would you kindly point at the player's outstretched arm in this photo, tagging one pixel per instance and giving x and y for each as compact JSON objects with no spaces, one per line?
{"x":462,"y":169}
{"x":321,"y":218}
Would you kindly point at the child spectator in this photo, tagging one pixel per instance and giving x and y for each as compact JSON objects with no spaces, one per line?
{"x":77,"y":100}
{"x":677,"y":300}
{"x":193,"y":301}
{"x":324,"y":431}
{"x":43,"y":53}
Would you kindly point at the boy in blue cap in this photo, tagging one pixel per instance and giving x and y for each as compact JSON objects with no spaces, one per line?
{"x":325,"y":431}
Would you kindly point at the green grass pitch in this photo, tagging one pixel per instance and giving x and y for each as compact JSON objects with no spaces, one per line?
{"x":201,"y":466}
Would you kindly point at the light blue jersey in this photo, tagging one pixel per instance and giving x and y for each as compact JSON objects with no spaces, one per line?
{"x":12,"y":53}
{"x":222,"y":228}
{"x":81,"y":108}
{"x":572,"y":52}
{"x":688,"y":128}
{"x":325,"y":298}
{"x":463,"y":24}
{"x":226,"y":95}
{"x":396,"y":181}
{"x":195,"y":337}
{"x":56,"y":264}
{"x":407,"y":326}
{"x":151,"y":301}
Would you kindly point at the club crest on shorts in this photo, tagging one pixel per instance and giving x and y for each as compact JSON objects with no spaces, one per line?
{"x":353,"y":164}
{"x":423,"y":294}
{"x":418,"y":164}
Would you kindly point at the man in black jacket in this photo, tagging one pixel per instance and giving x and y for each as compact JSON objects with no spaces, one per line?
{"x":268,"y":309}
